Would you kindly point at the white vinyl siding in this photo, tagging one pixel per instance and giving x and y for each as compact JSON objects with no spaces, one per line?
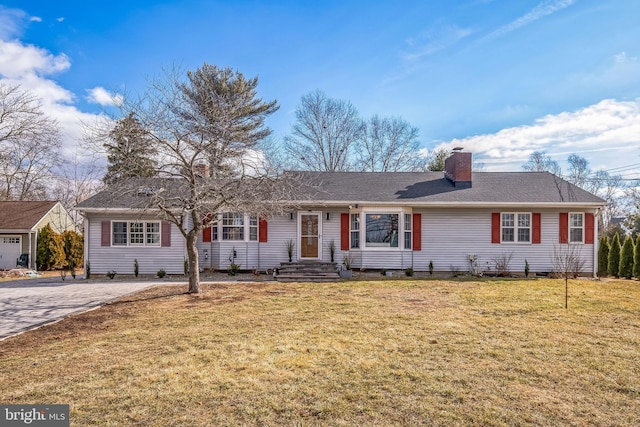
{"x":120,"y":258}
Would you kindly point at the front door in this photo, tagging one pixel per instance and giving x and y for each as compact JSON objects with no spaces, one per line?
{"x":310,"y":235}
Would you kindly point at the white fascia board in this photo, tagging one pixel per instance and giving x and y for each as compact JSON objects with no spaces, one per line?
{"x":563,"y":205}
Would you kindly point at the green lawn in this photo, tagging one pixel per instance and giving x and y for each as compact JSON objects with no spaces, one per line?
{"x":397,"y":352}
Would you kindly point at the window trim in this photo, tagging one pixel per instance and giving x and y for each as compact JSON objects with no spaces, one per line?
{"x":145,"y":234}
{"x":362,"y":228}
{"x":570,"y":227}
{"x":516,"y":229}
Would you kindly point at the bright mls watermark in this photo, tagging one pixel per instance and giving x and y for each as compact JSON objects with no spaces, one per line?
{"x":34,"y":415}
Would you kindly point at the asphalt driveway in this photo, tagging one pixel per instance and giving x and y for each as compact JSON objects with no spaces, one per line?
{"x":28,"y":304}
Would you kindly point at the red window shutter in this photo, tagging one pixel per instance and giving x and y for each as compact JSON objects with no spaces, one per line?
{"x":495,"y":227}
{"x":206,"y":231}
{"x":589,"y":228}
{"x":165,"y":240}
{"x":564,"y":227}
{"x":417,"y":232}
{"x":106,"y":233}
{"x":535,"y":226}
{"x":344,"y":232}
{"x":206,"y":235}
{"x":262,"y":230}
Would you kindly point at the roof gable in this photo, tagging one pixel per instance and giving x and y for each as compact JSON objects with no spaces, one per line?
{"x":22,"y":215}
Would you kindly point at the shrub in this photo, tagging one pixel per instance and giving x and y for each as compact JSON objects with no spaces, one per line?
{"x":136,"y":267}
{"x":626,"y":259}
{"x":50,"y":252}
{"x":161,"y":273}
{"x":73,"y":246}
{"x":383,"y":271}
{"x":186,"y":267}
{"x":526,"y":268}
{"x":603,"y":257}
{"x":430,"y":267}
{"x":87,"y":273}
{"x":233,"y":269}
{"x":409,"y":272}
{"x":636,"y":259}
{"x":111,"y":274}
{"x":613,"y":265}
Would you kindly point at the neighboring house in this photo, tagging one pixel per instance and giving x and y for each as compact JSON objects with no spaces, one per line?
{"x":459,"y":221}
{"x":20,"y":223}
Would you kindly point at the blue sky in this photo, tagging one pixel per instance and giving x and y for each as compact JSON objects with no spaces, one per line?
{"x":501,"y":78}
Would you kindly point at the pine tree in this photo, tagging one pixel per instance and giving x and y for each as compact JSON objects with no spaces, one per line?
{"x":603,"y":257}
{"x":50,"y":252}
{"x":626,"y":259}
{"x":129,"y":152}
{"x":636,"y":259}
{"x":614,"y":256}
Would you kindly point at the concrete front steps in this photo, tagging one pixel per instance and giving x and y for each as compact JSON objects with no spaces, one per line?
{"x":308,"y":271}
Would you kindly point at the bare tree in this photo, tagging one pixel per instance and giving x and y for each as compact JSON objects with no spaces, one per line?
{"x":325,"y":134}
{"x":567,"y":263}
{"x":29,"y":145}
{"x":389,"y":145}
{"x":213,"y":119}
{"x":539,"y":161}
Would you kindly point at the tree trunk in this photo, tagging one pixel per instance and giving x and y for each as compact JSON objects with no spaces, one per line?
{"x":194,"y":268}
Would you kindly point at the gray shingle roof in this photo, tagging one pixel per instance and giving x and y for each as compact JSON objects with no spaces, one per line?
{"x":410,"y":188}
{"x":431,"y":187}
{"x":21,"y":215}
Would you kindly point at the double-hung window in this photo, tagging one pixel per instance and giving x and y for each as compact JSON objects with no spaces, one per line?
{"x":515,"y":227}
{"x":135,"y":233}
{"x":408,"y":242}
{"x":355,"y":231}
{"x":576,"y":227}
{"x":253,"y":228}
{"x":232,"y":226}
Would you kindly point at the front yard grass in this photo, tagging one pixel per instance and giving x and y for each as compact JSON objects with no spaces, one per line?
{"x":419,"y":352}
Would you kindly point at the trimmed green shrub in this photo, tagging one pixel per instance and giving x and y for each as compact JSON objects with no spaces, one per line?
{"x":613,"y":265}
{"x":409,"y":272}
{"x":526,"y":268}
{"x":626,"y":259}
{"x":233,"y":269}
{"x":136,"y":267}
{"x":161,"y":273}
{"x":50,"y":252}
{"x":603,"y":257}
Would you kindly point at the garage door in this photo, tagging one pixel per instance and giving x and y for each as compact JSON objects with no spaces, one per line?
{"x":9,"y":251}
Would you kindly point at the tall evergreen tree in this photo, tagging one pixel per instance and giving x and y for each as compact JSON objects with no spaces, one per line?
{"x":636,"y":259}
{"x":614,"y":256}
{"x":603,"y":257}
{"x":626,"y":259}
{"x":130,"y":152}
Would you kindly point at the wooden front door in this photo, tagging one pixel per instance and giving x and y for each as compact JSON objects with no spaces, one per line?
{"x":310,"y":235}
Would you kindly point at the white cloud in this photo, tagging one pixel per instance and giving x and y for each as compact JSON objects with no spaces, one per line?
{"x":29,"y":67}
{"x":434,"y":40}
{"x":17,"y":59}
{"x":99,"y":95}
{"x":60,"y":19}
{"x":540,"y":11}
{"x":35,"y":19}
{"x":603,"y":133}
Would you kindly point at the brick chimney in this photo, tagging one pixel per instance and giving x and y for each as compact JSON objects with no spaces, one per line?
{"x":457,"y":168}
{"x":201,"y":170}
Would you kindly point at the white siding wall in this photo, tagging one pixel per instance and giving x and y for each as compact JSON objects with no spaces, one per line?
{"x":450,"y":235}
{"x":121,"y":259}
